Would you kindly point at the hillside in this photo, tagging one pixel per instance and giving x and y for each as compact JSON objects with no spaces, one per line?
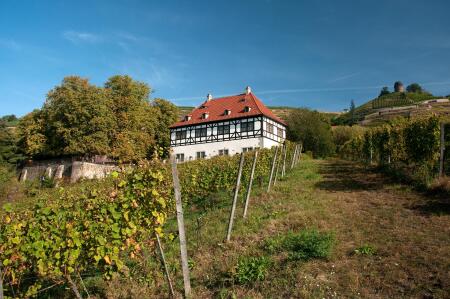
{"x":395,"y":104}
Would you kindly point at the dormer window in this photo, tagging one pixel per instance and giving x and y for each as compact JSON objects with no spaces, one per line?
{"x":247,"y":109}
{"x":227,"y":112}
{"x":205,"y":115}
{"x":187,"y":118}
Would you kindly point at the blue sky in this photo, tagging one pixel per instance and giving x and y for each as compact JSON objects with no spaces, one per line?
{"x":317,"y":54}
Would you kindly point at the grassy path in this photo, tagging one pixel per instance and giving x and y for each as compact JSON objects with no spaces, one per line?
{"x":410,"y":233}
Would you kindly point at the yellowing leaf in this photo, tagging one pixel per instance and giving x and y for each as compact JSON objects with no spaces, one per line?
{"x":107,"y":260}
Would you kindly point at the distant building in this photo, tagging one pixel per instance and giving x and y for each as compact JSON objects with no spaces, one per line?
{"x":226,"y":126}
{"x":398,"y":87}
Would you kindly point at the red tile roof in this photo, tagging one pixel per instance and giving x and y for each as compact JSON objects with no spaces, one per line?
{"x":216,"y":110}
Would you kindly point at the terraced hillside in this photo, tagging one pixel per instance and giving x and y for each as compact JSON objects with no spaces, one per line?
{"x":386,"y":107}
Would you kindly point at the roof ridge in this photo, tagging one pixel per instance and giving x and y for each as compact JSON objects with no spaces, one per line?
{"x":256,"y":100}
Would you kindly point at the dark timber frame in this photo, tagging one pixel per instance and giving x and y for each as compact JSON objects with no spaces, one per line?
{"x":212,"y":131}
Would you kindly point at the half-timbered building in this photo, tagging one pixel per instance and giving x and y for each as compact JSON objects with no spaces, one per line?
{"x":226,"y":126}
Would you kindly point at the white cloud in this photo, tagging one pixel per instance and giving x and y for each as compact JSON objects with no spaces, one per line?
{"x":81,"y":37}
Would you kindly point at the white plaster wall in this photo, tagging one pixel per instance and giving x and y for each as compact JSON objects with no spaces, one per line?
{"x":212,"y":149}
{"x":268,"y":143}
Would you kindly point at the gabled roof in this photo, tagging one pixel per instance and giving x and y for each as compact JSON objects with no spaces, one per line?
{"x":236,"y":104}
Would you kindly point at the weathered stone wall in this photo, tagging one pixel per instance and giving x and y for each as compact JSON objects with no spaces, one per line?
{"x":72,"y":170}
{"x":89,"y":170}
{"x":30,"y":173}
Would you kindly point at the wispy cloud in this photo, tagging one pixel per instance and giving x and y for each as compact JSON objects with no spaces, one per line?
{"x":10,"y":44}
{"x":344,"y":77}
{"x":77,"y":37}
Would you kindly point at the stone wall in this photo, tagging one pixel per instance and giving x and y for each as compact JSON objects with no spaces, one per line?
{"x":90,"y":170}
{"x":73,"y":171}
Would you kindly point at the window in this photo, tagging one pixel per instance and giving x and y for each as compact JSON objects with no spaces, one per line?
{"x":201,"y":155}
{"x":280,"y":132}
{"x":247,"y":126}
{"x":223,"y":152}
{"x":180,"y":158}
{"x":270,"y":128}
{"x":223,"y":129}
{"x":247,"y":109}
{"x":200,"y":132}
{"x":180,"y":135}
{"x":247,"y":149}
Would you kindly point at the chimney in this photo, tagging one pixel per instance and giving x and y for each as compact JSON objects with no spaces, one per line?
{"x":209,"y":97}
{"x":248,"y":90}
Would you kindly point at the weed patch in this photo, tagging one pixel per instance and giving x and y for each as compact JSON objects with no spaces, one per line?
{"x":303,"y":246}
{"x":250,"y":270}
{"x":365,"y":249}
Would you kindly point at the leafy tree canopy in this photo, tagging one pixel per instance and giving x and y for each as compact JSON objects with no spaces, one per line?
{"x":414,"y":87}
{"x":384,"y":91}
{"x":79,"y":119}
{"x":312,"y":130}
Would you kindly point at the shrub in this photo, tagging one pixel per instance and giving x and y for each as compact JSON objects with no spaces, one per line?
{"x":251,"y":269}
{"x":365,"y":249}
{"x":308,"y":244}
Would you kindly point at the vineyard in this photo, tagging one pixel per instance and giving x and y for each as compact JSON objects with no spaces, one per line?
{"x":77,"y":232}
{"x":412,"y":146}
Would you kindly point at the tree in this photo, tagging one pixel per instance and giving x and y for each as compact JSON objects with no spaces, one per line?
{"x":167,"y":114}
{"x":384,"y":91}
{"x":414,"y":87}
{"x":9,"y":151}
{"x":32,"y":138}
{"x":352,"y":111}
{"x":308,"y":127}
{"x":77,"y":119}
{"x":135,"y":119}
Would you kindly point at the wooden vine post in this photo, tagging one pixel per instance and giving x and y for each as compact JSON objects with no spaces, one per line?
{"x":236,"y":193}
{"x":272,"y":169}
{"x":277,"y":167}
{"x":249,"y":188}
{"x":181,"y":231}
{"x":299,"y":154}
{"x":294,"y":156}
{"x":283,"y":172}
{"x":166,"y":269}
{"x":442,"y":151}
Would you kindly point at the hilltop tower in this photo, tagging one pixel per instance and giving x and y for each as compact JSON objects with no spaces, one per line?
{"x":398,"y":87}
